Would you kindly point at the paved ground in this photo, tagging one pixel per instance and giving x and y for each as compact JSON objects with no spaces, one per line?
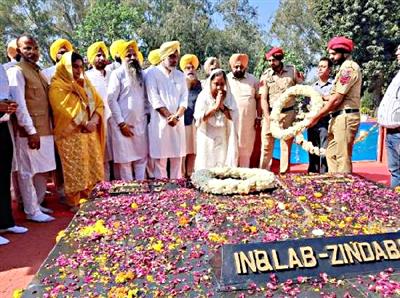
{"x":23,"y":256}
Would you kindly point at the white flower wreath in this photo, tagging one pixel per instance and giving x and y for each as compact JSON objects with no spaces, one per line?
{"x":316,"y":103}
{"x":226,"y":180}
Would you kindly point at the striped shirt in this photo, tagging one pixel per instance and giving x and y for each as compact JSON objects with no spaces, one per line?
{"x":389,"y":108}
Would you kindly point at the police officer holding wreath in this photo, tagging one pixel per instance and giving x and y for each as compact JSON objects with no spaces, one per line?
{"x":274,"y":81}
{"x":343,"y":106}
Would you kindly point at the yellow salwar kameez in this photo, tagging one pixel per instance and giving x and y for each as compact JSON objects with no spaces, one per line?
{"x":74,"y":104}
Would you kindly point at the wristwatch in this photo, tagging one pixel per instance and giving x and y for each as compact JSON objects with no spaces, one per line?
{"x":177,"y":117}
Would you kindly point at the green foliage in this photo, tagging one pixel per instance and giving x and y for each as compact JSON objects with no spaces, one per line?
{"x":241,"y":33}
{"x":297,"y":31}
{"x":150,"y":23}
{"x":44,"y":19}
{"x":122,"y":21}
{"x":290,"y":58}
{"x":367,"y":104}
{"x":186,"y":21}
{"x":374,"y":27}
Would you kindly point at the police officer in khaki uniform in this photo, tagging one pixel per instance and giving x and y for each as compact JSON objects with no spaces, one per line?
{"x":343,"y":104}
{"x":274,"y":81}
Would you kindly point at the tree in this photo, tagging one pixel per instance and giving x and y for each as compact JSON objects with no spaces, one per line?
{"x":295,"y":28}
{"x":187,"y":21}
{"x":45,"y":20}
{"x":374,"y":26}
{"x":240,"y":34}
{"x":123,"y":22}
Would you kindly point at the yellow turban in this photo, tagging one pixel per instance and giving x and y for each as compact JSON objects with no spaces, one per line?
{"x":189,"y":59}
{"x":94,"y":49}
{"x":12,"y":49}
{"x":114,"y":47}
{"x":140,"y":57}
{"x":242,"y":58}
{"x":123,"y":47}
{"x":168,"y":48}
{"x":154,"y":57}
{"x":57,"y":45}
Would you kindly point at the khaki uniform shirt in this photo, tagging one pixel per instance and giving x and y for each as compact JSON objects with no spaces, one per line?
{"x":274,"y":84}
{"x":348,"y":82}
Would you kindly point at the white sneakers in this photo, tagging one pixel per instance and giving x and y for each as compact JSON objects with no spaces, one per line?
{"x":40,"y":217}
{"x":15,"y":230}
{"x":45,"y":210}
{"x":4,"y":241}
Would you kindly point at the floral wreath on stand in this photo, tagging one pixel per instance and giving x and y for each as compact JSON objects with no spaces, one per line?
{"x":295,"y":131}
{"x":226,"y":180}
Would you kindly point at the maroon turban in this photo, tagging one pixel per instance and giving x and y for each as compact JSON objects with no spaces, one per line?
{"x":274,"y":52}
{"x":341,"y":42}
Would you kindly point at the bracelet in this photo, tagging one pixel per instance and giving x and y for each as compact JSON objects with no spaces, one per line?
{"x":259,"y":118}
{"x":177,"y":117}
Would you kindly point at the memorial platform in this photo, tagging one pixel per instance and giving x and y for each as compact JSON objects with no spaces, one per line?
{"x":161,"y":238}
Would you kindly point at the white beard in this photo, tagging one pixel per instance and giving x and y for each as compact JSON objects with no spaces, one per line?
{"x":131,"y":72}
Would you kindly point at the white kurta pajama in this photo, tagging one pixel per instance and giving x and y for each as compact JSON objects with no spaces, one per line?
{"x":32,"y":163}
{"x":100,"y":83}
{"x":217,"y":136}
{"x":166,"y":90}
{"x":49,"y":72}
{"x":128,"y":104}
{"x":244,"y":92}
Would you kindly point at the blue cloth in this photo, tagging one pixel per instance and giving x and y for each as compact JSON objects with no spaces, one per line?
{"x":193,"y":93}
{"x":393,"y":156}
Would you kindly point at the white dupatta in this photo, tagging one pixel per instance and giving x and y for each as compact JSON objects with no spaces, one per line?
{"x":203,"y":104}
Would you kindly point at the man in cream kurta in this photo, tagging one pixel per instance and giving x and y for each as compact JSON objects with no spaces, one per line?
{"x":128,"y":124}
{"x":168,"y":96}
{"x":34,"y":141}
{"x":99,"y":77}
{"x":244,"y":88}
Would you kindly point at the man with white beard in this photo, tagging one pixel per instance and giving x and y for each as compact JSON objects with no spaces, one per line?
{"x":128,"y":124}
{"x":168,"y":96}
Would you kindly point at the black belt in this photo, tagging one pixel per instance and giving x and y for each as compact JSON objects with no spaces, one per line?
{"x":393,"y":130}
{"x":284,"y":110}
{"x":344,"y":111}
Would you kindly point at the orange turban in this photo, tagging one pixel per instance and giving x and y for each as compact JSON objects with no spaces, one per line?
{"x":242,"y":58}
{"x":57,"y":45}
{"x":154,"y":57}
{"x":114,"y":47}
{"x":123,"y":47}
{"x":189,"y":59}
{"x":168,"y":48}
{"x":12,"y":49}
{"x":94,"y":49}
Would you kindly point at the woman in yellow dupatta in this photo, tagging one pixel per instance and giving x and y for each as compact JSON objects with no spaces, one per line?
{"x":78,"y":127}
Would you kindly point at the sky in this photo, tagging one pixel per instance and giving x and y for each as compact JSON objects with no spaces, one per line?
{"x":266,"y":10}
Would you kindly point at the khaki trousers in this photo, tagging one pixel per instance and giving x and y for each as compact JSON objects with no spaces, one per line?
{"x":341,"y":134}
{"x":267,"y":143}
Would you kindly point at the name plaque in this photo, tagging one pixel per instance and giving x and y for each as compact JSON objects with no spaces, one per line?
{"x":341,"y":257}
